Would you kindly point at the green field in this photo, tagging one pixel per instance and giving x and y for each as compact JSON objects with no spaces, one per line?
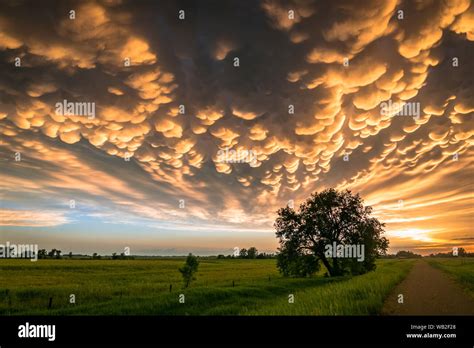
{"x":141,"y":287}
{"x":460,"y":269}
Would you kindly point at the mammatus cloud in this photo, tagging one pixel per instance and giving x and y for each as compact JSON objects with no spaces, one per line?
{"x":302,"y":88}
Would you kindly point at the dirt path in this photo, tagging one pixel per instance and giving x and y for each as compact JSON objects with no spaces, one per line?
{"x":428,"y":291}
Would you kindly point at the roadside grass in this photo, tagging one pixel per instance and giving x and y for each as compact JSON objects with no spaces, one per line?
{"x":360,"y":295}
{"x":461,"y":269}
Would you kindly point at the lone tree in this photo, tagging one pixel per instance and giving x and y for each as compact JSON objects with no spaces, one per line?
{"x":327,"y":219}
{"x":42,"y":253}
{"x":243,"y":253}
{"x":252,"y":253}
{"x":189,"y":269}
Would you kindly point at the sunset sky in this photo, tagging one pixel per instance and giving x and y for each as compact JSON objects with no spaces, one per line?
{"x":333,"y":62}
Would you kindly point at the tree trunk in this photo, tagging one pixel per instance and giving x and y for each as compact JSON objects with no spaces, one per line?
{"x":336,"y":267}
{"x":326,"y":264}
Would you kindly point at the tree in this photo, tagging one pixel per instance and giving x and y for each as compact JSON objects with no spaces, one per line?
{"x":189,"y":269}
{"x":41,"y":253}
{"x":52,"y":253}
{"x":243,"y":253}
{"x":290,"y":263}
{"x":327,"y":219}
{"x":462,"y":252}
{"x":406,"y":254}
{"x":252,"y":253}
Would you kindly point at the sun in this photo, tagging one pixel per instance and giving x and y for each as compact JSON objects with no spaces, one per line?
{"x":417,"y":234}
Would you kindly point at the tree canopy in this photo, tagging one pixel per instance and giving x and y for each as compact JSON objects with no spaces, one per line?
{"x":325,"y":220}
{"x":189,"y":269}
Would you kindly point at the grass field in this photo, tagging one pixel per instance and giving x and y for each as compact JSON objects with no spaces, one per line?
{"x":141,"y":287}
{"x":460,"y":269}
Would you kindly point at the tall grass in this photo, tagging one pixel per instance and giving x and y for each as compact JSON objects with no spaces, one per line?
{"x":360,"y":295}
{"x":459,"y":268}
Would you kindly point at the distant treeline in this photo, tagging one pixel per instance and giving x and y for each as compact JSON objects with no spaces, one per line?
{"x":57,"y":254}
{"x":461,"y":252}
{"x":250,"y":253}
{"x":405,"y":254}
{"x":402,"y":254}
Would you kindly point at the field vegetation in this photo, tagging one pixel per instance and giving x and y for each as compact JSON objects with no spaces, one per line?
{"x":222,"y":287}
